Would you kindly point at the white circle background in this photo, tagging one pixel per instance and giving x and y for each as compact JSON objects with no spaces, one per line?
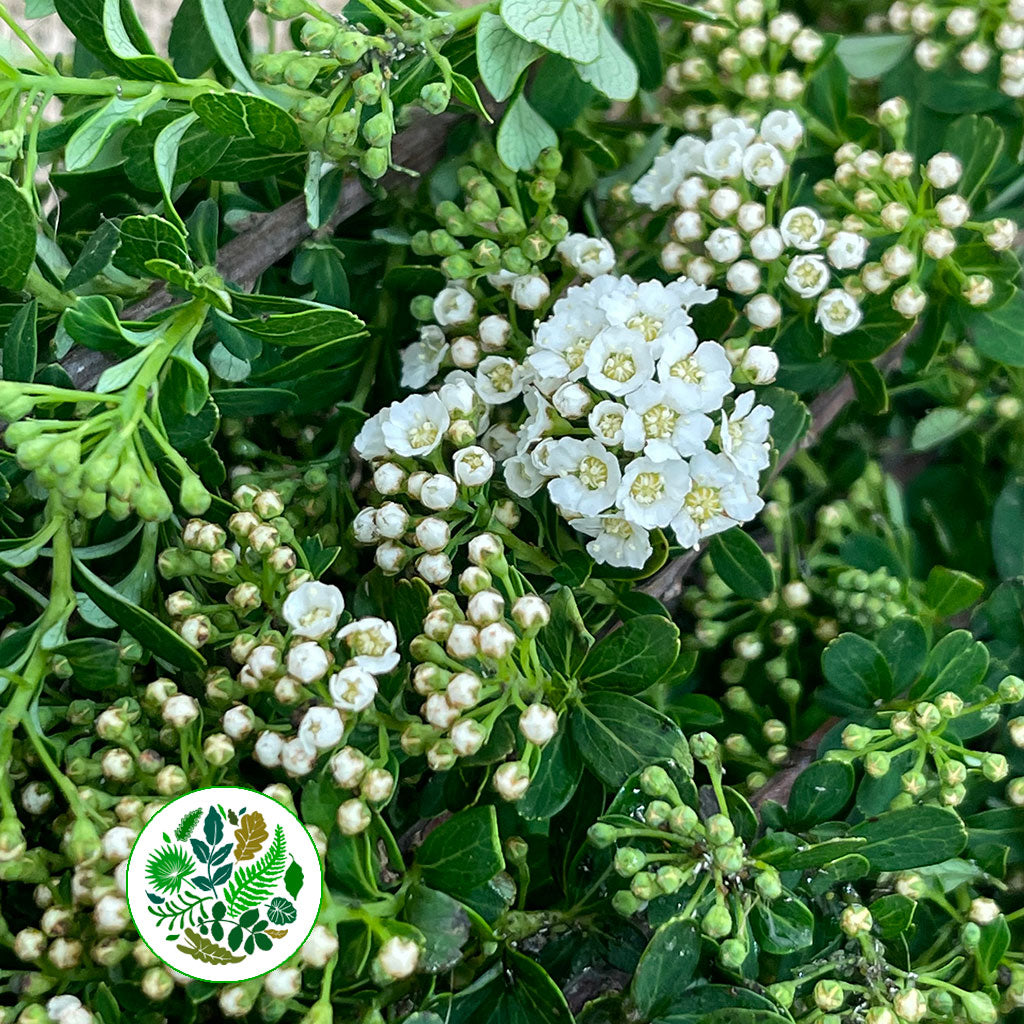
{"x":298,"y":844}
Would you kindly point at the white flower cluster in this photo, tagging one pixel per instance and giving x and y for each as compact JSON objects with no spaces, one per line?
{"x":756,"y":53}
{"x":475,"y":663}
{"x":976,"y":34}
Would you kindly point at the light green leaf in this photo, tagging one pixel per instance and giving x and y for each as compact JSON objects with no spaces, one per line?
{"x":84,"y":146}
{"x":222,"y":33}
{"x":939,"y":426}
{"x":613,"y":73}
{"x":523,"y":135}
{"x":501,"y":55}
{"x":228,"y":366}
{"x":569,"y":27}
{"x":949,"y":591}
{"x":165,"y":153}
{"x":249,"y":117}
{"x":872,"y":56}
{"x":118,"y":38}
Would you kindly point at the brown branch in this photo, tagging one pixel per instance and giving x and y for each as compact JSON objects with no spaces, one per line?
{"x":265,"y":238}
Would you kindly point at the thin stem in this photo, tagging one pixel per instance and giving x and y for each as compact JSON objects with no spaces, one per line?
{"x":6,"y":17}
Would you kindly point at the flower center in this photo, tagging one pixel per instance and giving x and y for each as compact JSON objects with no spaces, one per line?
{"x":316,"y":614}
{"x":838,"y":312}
{"x":593,"y":473}
{"x":619,"y":366}
{"x":660,"y":421}
{"x":647,"y":488}
{"x":370,"y":642}
{"x":649,"y":326}
{"x":501,"y":377}
{"x":807,"y":274}
{"x":703,"y":503}
{"x":803,"y":225}
{"x":610,"y":424}
{"x":687,"y":369}
{"x":618,"y":528}
{"x":575,"y":352}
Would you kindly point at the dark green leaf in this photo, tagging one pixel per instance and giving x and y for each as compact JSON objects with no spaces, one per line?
{"x":556,"y":779}
{"x":237,"y":403}
{"x":94,"y":661}
{"x":911,"y":837}
{"x":312,"y":326}
{"x":892,"y":915}
{"x":999,"y":335}
{"x":149,"y":238}
{"x":905,"y":646}
{"x":249,"y":117}
{"x":820,"y":792}
{"x":633,"y":657}
{"x":20,"y":347}
{"x":869,"y":384}
{"x":462,"y":852}
{"x":948,"y":591}
{"x":857,"y":673}
{"x":790,"y":420}
{"x":640,"y":36}
{"x":784,"y":925}
{"x":665,"y":969}
{"x":17,"y":235}
{"x":444,"y":924}
{"x":995,"y":941}
{"x":95,"y":255}
{"x":1007,"y":535}
{"x":190,"y":45}
{"x":739,"y":560}
{"x":957,"y":662}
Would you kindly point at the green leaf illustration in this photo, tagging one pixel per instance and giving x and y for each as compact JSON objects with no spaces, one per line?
{"x":188,"y":824}
{"x":281,"y":911}
{"x":207,"y":951}
{"x":293,"y":879}
{"x":168,"y":867}
{"x":253,"y":884}
{"x":213,"y":827}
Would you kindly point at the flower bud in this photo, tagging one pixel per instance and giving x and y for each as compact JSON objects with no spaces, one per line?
{"x":511,"y":780}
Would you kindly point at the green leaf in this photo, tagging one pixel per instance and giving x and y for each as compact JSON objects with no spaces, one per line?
{"x":686,"y":11}
{"x":146,"y":628}
{"x":293,"y":879}
{"x":633,"y":657}
{"x":618,"y":735}
{"x":791,"y":417}
{"x":85,"y":145}
{"x":20,"y":347}
{"x":569,"y":27}
{"x":938,"y":426}
{"x":17,"y":235}
{"x":819,"y":793}
{"x":857,"y":673}
{"x":872,"y":56}
{"x":222,"y":35}
{"x":112,"y":34}
{"x":783,"y":926}
{"x":742,"y":564}
{"x":992,"y":947}
{"x":565,"y":639}
{"x":869,"y":385}
{"x":238,"y":403}
{"x":462,"y":852}
{"x":501,"y":56}
{"x":94,"y":661}
{"x":911,"y":837}
{"x":95,"y":255}
{"x":948,"y":591}
{"x":665,"y":968}
{"x":315,"y":325}
{"x":640,"y":36}
{"x":979,"y":143}
{"x":999,"y":335}
{"x":556,"y":778}
{"x":893,"y":915}
{"x":249,"y":117}
{"x":905,"y":646}
{"x":957,"y":662}
{"x":613,"y":73}
{"x":190,"y":46}
{"x":522,"y":135}
{"x":165,"y":154}
{"x":444,"y":924}
{"x":1007,"y":535}
{"x":253,"y":884}
{"x":149,"y":238}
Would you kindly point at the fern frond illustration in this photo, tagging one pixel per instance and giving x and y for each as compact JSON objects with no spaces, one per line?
{"x":253,"y":884}
{"x":207,"y":951}
{"x":167,"y":868}
{"x":174,"y":915}
{"x":188,"y":824}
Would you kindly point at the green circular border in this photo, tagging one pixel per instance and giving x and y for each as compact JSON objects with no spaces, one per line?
{"x":239,"y":789}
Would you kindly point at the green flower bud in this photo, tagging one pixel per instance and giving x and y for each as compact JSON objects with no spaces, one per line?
{"x":704,"y":747}
{"x":732,"y":953}
{"x":300,"y":72}
{"x":979,"y":1008}
{"x":941,"y":1003}
{"x":421,"y":246}
{"x":193,"y":496}
{"x":549,"y":163}
{"x":877,"y":763}
{"x":602,"y":835}
{"x":422,"y":306}
{"x":152,"y":503}
{"x":857,"y":737}
{"x":92,"y":504}
{"x":655,"y":781}
{"x":443,"y":244}
{"x":536,"y":247}
{"x":776,"y":668}
{"x":487,"y":254}
{"x":318,"y":35}
{"x":65,"y":456}
{"x":683,"y":820}
{"x":509,"y":221}
{"x":927,"y":715}
{"x":737,"y":699}
{"x":512,"y":259}
{"x":269,"y":67}
{"x":343,"y":128}
{"x":422,"y":648}
{"x":435,"y":97}
{"x":783,"y":992}
{"x":626,"y":904}
{"x":657,"y":813}
{"x":281,"y":10}
{"x":349,"y":47}
{"x":855,"y":920}
{"x":629,"y":860}
{"x":378,"y":129}
{"x":768,"y":883}
{"x":457,"y":267}
{"x":1011,"y":689}
{"x":374,"y":163}
{"x":671,"y":878}
{"x":717,"y":922}
{"x":311,"y":109}
{"x":949,"y":704}
{"x":737,"y":745}
{"x":829,"y":994}
{"x":913,"y":782}
{"x":790,"y":690}
{"x":554,"y":227}
{"x":644,"y":886}
{"x":720,"y":829}
{"x":478,"y":213}
{"x":730,"y":857}
{"x":84,"y":845}
{"x":542,"y":191}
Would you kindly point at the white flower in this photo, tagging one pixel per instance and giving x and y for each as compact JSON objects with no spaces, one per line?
{"x":467,"y":737}
{"x":348,"y":766}
{"x":307,"y":662}
{"x":372,"y":643}
{"x":463,"y":690}
{"x":321,"y":728}
{"x":734,"y":128}
{"x":700,"y":374}
{"x":180,"y":711}
{"x":767,"y":245}
{"x":652,"y":492}
{"x":391,"y":520}
{"x":378,"y":785}
{"x":761,"y":363}
{"x":529,"y":291}
{"x":511,"y":780}
{"x":312,"y":609}
{"x":938,"y":243}
{"x":454,"y":305}
{"x":847,"y":250}
{"x":788,"y":86}
{"x":590,"y":256}
{"x":671,"y":428}
{"x":953,"y":211}
{"x":724,"y":202}
{"x":369,"y":443}
{"x":838,"y":312}
{"x":807,"y":45}
{"x":782,"y":128}
{"x":751,"y":217}
{"x":802,"y":228}
{"x":364,"y":526}
{"x":619,"y":361}
{"x":657,"y":187}
{"x":616,"y":541}
{"x":744,"y":277}
{"x":975,"y":57}
{"x":909,"y":301}
{"x":614,"y":424}
{"x":494,"y":331}
{"x":268,"y":749}
{"x":352,"y":689}
{"x":943,"y":170}
{"x":719,"y":497}
{"x":723,"y":158}
{"x":283,"y":983}
{"x":496,"y":641}
{"x":318,"y":949}
{"x":458,"y":395}
{"x":432,"y":534}
{"x":1000,"y":233}
{"x":724,"y":245}
{"x":744,"y":435}
{"x":472,"y":466}
{"x":898,"y":261}
{"x":297,"y":757}
{"x":764,"y":165}
{"x":422,"y":359}
{"x":465,"y":353}
{"x":416,"y":425}
{"x":587,"y":475}
{"x":398,"y":957}
{"x":538,"y":724}
{"x":435,"y":568}
{"x":689,"y":226}
{"x":651,"y":308}
{"x":782,"y":28}
{"x":807,"y":275}
{"x":438,"y":492}
{"x":522,"y":477}
{"x":498,"y":380}
{"x":691,"y":192}
{"x":961,"y":21}
{"x":353,"y":817}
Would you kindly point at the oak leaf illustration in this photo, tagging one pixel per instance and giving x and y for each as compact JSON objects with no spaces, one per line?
{"x":207,"y":951}
{"x":251,"y":834}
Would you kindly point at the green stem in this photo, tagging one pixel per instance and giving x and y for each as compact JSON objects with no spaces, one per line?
{"x":6,"y":17}
{"x":61,"y":85}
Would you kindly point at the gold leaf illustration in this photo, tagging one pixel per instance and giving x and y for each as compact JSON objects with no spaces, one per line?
{"x":207,"y":951}
{"x":251,"y":834}
{"x":277,"y":933}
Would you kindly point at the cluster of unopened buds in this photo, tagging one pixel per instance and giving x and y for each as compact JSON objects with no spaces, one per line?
{"x":673,"y":849}
{"x":803,"y":258}
{"x":478,"y":661}
{"x":941,"y":763}
{"x":755,"y":54}
{"x":977,"y":35}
